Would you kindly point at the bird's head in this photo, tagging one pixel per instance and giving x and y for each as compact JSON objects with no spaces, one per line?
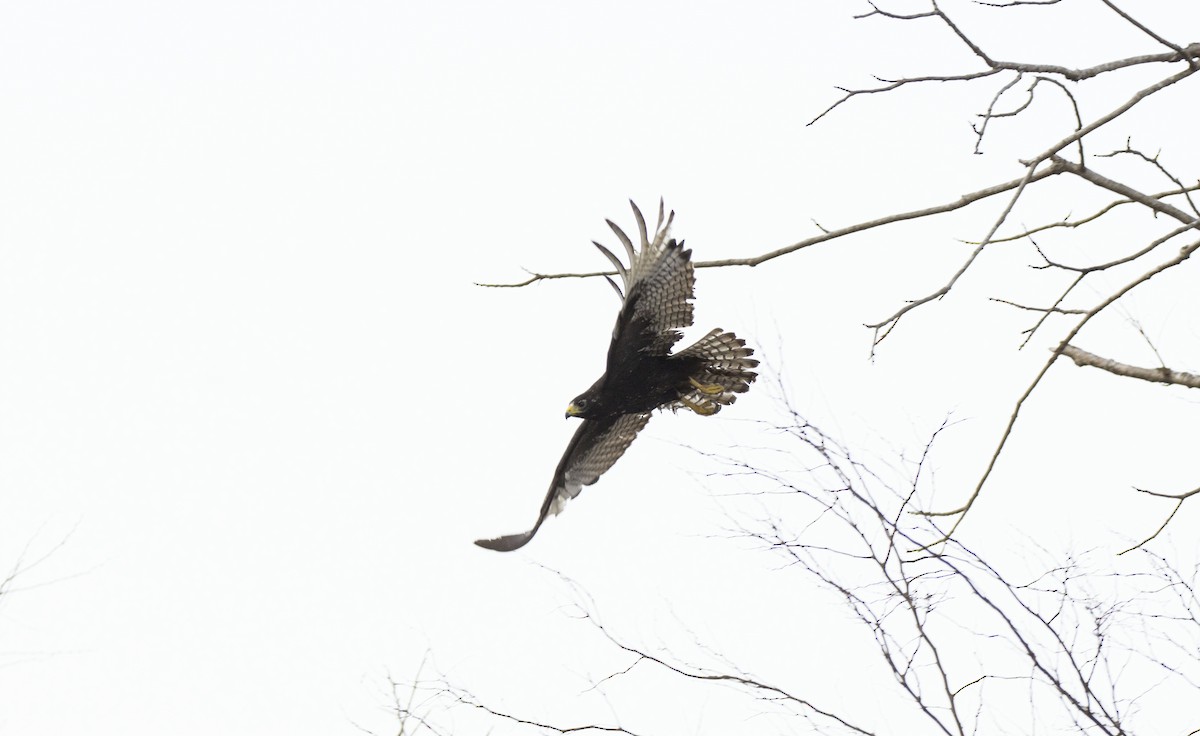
{"x":584,"y":405}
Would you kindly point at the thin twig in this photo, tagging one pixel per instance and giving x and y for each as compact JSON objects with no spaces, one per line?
{"x":1157,"y":531}
{"x":1050,"y":310}
{"x":1177,"y":49}
{"x":1071,"y":224}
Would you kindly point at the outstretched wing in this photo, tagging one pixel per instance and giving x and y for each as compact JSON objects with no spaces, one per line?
{"x":596,"y":445}
{"x":658,"y":288}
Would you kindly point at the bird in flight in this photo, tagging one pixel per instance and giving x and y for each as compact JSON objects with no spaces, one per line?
{"x":641,"y":373}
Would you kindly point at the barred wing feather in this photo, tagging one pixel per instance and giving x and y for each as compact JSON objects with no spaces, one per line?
{"x":595,"y":446}
{"x":658,"y":288}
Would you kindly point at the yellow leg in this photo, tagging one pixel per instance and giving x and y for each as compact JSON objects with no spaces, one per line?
{"x":711,"y":389}
{"x":700,"y":409}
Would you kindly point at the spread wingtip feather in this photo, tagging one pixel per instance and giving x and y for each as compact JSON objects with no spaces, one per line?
{"x":507,"y":543}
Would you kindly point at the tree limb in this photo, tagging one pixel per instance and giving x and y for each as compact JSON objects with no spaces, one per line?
{"x":1154,"y":375}
{"x":1124,"y":190}
{"x":752,"y":261}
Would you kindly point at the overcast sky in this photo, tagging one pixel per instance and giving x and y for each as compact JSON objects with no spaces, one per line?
{"x":254,"y":408}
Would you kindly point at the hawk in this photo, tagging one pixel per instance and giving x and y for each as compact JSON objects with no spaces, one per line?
{"x":642,"y":374}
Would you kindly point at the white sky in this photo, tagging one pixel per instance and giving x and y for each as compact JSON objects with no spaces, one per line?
{"x":253,"y":409}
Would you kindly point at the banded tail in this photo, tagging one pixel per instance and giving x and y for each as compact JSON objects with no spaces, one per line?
{"x":727,"y":363}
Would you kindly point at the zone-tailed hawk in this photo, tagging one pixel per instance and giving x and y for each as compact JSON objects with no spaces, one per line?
{"x":641,"y":374}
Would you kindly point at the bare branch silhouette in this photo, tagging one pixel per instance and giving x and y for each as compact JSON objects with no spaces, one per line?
{"x":1154,"y":375}
{"x":825,"y":236}
{"x":1069,"y":646}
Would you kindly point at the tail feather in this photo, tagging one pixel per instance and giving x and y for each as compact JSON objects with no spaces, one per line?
{"x":727,"y":363}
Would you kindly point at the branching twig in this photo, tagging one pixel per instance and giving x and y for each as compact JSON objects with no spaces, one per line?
{"x":1153,"y":161}
{"x":961,"y":511}
{"x":1085,"y":270}
{"x":1124,"y":190}
{"x":1179,"y":499}
{"x":1072,"y":224}
{"x":884,"y":327}
{"x":1190,"y":54}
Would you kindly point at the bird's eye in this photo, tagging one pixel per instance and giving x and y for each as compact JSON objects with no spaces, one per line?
{"x":581,"y":403}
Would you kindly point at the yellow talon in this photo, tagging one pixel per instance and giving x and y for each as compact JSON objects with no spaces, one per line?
{"x":712,"y":389}
{"x":700,"y":409}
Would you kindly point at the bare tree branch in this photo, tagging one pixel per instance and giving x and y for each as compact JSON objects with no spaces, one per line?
{"x":535,"y":277}
{"x":1153,"y":244}
{"x":884,"y":328}
{"x":1179,"y":498}
{"x":892,"y":84}
{"x":1154,"y":375}
{"x":1189,"y":54}
{"x":959,"y":203}
{"x":1012,"y":3}
{"x":1125,"y":191}
{"x":1146,"y":30}
{"x":586,"y":728}
{"x":1072,"y":224}
{"x":1118,"y":111}
{"x":961,"y":511}
{"x":1054,"y":309}
{"x":1153,"y":160}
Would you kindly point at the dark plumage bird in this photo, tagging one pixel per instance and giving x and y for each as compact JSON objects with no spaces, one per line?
{"x":641,"y":373}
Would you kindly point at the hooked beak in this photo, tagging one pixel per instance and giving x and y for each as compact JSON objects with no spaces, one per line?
{"x":573,"y":411}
